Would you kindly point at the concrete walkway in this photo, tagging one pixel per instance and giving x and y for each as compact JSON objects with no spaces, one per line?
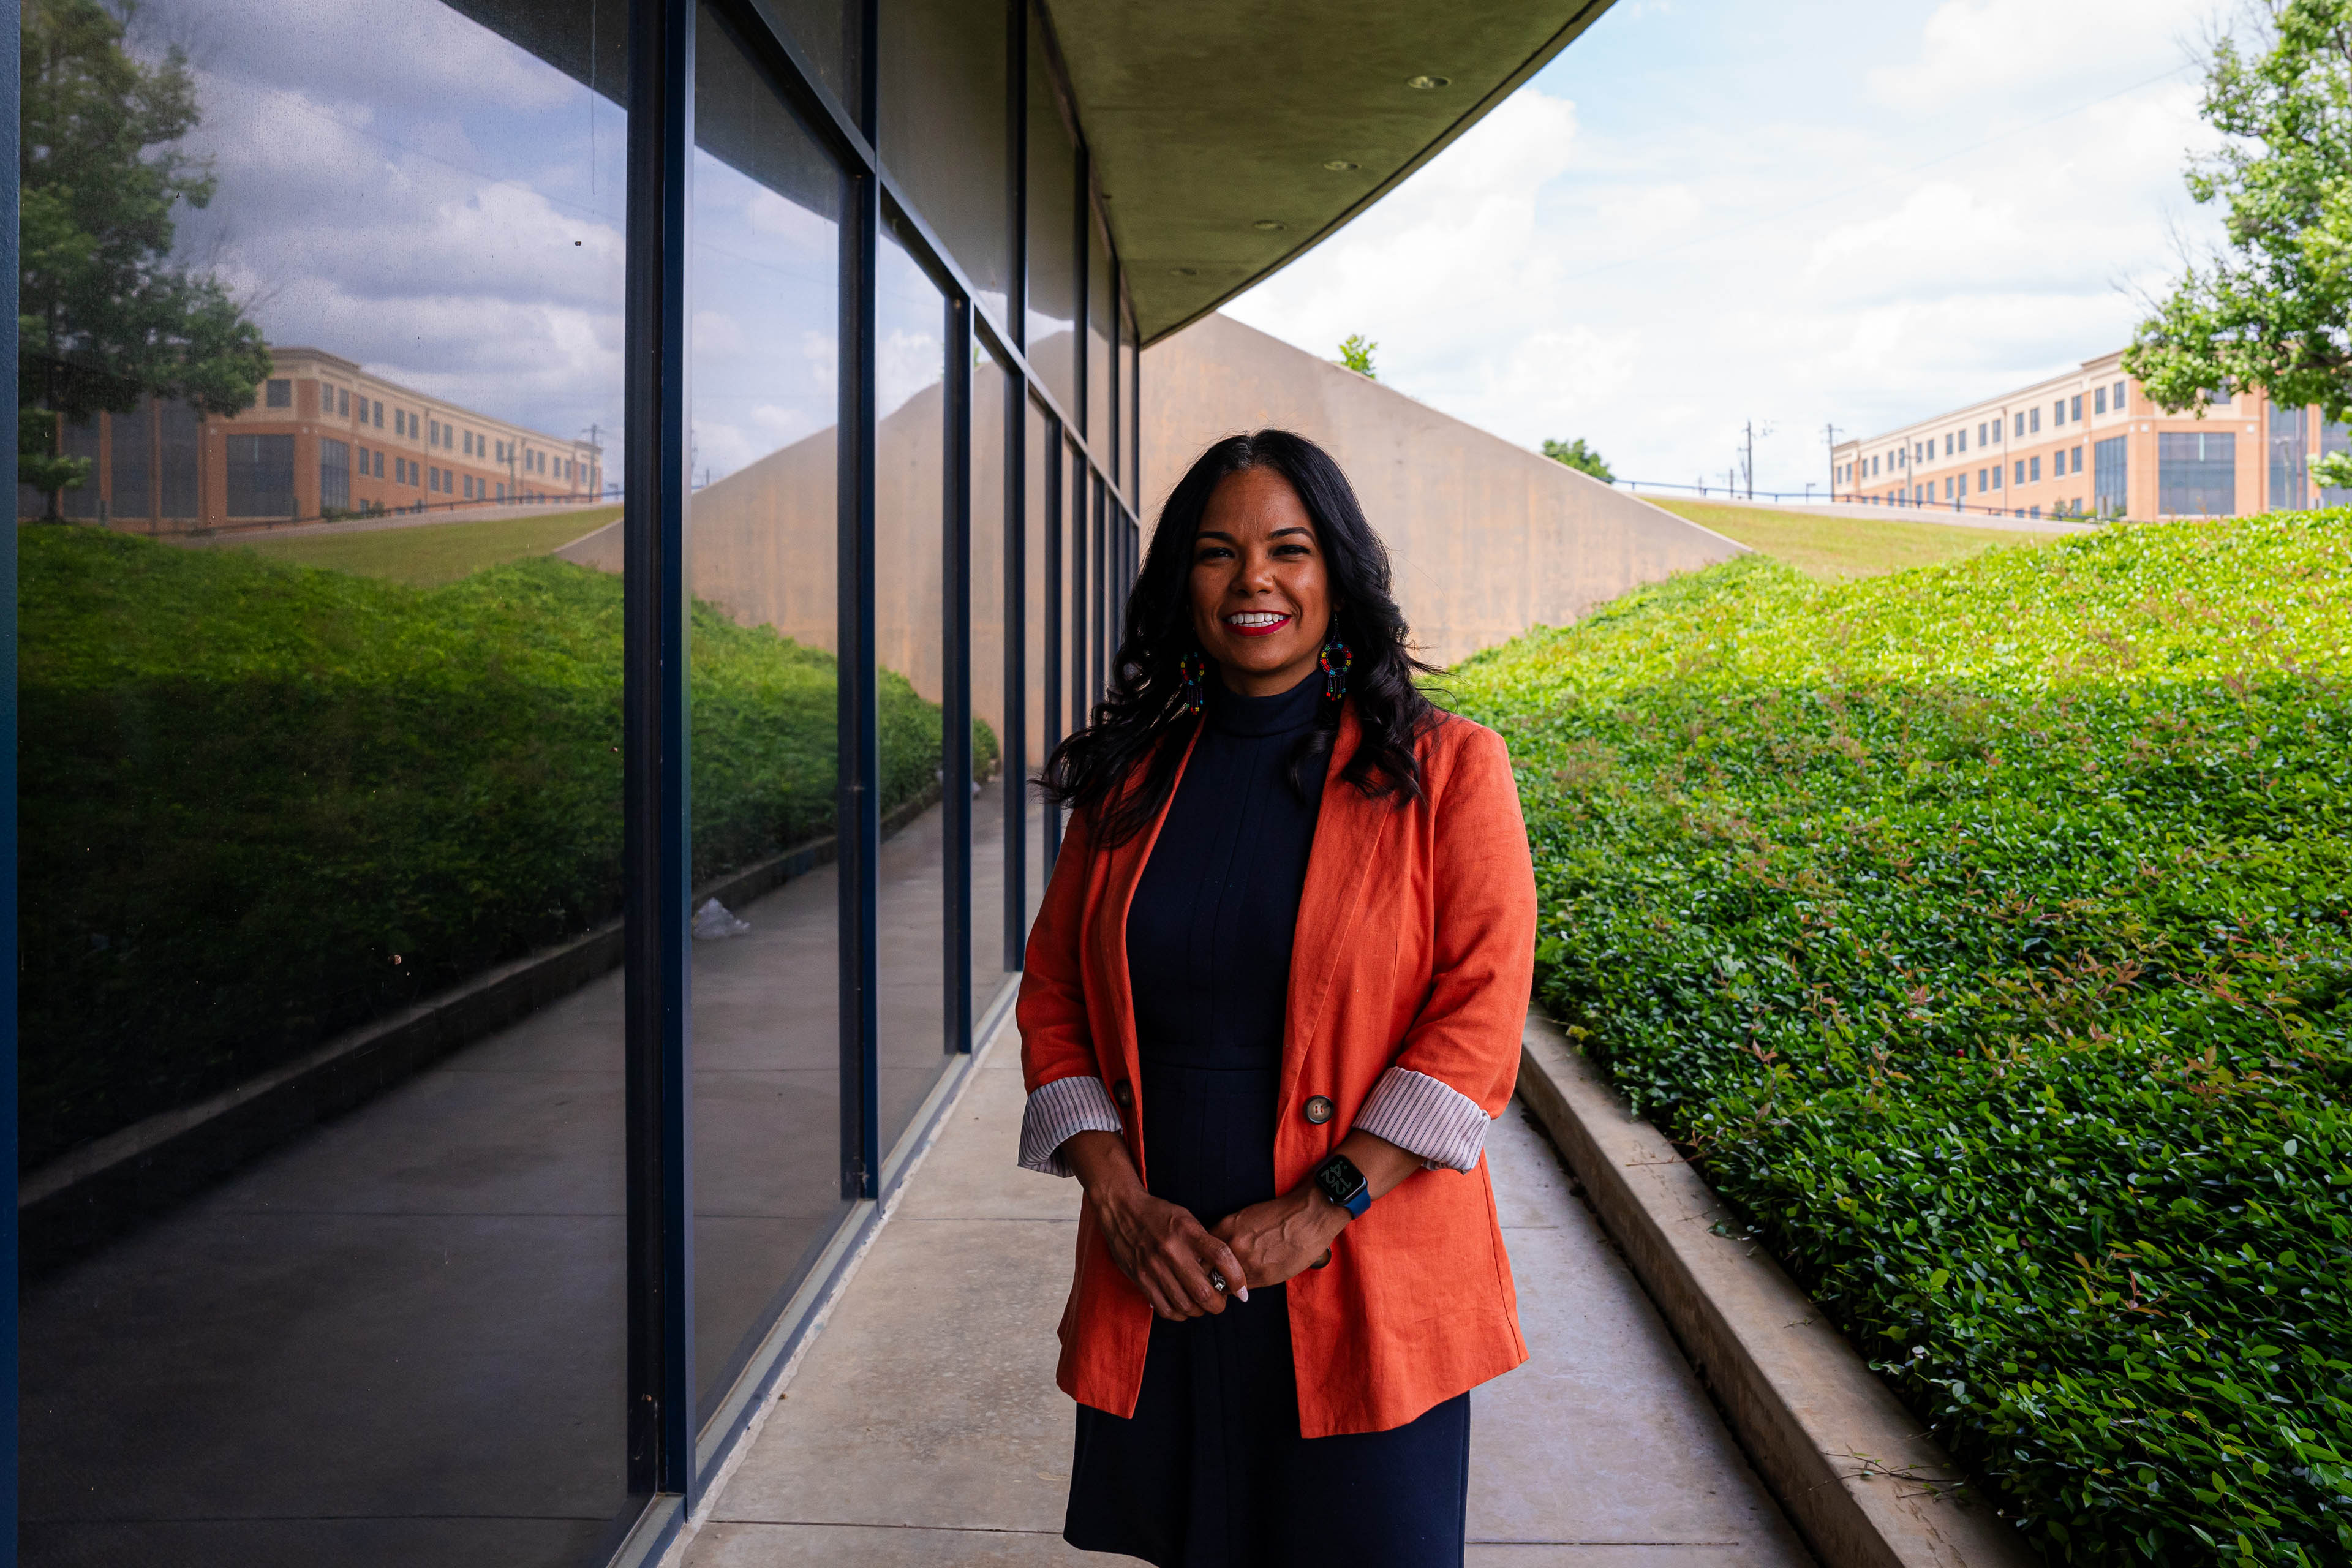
{"x":922,"y":1426}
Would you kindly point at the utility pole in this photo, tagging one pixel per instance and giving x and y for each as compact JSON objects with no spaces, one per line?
{"x":1748,"y":454}
{"x":1830,"y":434}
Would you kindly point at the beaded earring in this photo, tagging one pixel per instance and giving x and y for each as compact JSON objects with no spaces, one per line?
{"x":1335,"y":660}
{"x":1192,"y":667}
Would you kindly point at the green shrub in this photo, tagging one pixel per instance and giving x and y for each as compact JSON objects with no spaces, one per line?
{"x":1982,"y":930}
{"x":262,"y":803}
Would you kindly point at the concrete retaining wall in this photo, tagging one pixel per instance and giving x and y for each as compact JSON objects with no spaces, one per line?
{"x":1489,"y":538}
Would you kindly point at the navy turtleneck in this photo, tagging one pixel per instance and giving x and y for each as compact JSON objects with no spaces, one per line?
{"x":1209,"y":933}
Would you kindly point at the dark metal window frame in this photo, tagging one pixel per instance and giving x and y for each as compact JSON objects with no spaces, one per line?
{"x":675,"y":1449}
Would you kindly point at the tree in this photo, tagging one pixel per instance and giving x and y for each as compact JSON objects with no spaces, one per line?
{"x":1579,"y":456}
{"x":1356,"y":353}
{"x":106,"y":316}
{"x":2273,"y":310}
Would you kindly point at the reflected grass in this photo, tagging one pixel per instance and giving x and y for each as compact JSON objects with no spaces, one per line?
{"x":262,"y":803}
{"x":430,"y":555}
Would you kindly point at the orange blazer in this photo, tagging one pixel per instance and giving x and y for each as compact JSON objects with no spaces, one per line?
{"x":1415,"y":947}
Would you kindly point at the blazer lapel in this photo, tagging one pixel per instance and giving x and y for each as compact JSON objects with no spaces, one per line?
{"x":1122,"y":873}
{"x":1347,"y":830}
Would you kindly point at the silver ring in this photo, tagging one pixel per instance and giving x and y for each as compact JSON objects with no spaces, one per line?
{"x":1216,"y":1282}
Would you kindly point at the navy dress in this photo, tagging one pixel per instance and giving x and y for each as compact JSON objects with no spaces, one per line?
{"x":1211,"y":1471}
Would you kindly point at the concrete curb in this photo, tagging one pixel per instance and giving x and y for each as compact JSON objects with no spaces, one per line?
{"x":1863,"y":1485}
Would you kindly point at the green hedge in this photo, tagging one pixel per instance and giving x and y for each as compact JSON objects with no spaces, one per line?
{"x":1984,"y":932}
{"x":261,"y":803}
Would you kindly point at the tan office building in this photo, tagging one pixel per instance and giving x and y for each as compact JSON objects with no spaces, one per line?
{"x":322,"y":438}
{"x":2089,"y":442}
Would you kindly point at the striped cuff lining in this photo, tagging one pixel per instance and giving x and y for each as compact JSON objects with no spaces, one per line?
{"x":1059,"y":1112}
{"x":1427,"y":1117}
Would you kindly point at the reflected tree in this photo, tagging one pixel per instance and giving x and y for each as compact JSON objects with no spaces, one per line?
{"x":107,"y":316}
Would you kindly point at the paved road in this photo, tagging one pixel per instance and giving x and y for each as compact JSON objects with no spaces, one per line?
{"x":924,"y":1427}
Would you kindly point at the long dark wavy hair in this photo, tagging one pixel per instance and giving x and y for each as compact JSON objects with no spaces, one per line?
{"x":1141,"y":721}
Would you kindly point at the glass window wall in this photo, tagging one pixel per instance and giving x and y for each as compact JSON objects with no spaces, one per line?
{"x":765,"y":236}
{"x":909,"y":639}
{"x":1101,"y":306}
{"x":435,"y":1314}
{"x":945,"y":129}
{"x":390,"y":1326}
{"x":1041,"y":589}
{"x":996,"y":924}
{"x":1052,"y":208}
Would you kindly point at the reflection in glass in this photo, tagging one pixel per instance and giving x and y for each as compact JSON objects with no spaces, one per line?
{"x":1078,"y":555}
{"x":1131,"y":424}
{"x":910,"y":423}
{"x":830,"y":35}
{"x":990,"y":647}
{"x":1053,"y":237}
{"x":319,"y":782}
{"x":943,"y":83}
{"x":763,"y":241}
{"x":1040,"y":661}
{"x":1101,"y":304}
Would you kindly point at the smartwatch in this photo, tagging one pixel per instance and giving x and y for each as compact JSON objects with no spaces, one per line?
{"x":1337,"y":1179}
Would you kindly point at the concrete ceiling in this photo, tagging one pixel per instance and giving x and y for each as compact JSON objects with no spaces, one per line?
{"x":1209,"y":119}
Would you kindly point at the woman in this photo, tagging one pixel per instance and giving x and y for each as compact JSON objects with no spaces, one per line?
{"x":1273,"y":999}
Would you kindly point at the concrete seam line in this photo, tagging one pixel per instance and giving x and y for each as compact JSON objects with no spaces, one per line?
{"x":836,"y":1289}
{"x":1860,"y":1481}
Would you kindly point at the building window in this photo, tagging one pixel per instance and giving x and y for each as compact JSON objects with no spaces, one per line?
{"x":2118,"y":398}
{"x":262,"y":475}
{"x":2078,"y":459}
{"x":2034,"y":469}
{"x":2033,"y":420}
{"x":2108,"y":476}
{"x":279,"y":394}
{"x":1998,"y":474}
{"x":2196,"y":473}
{"x":2075,"y":408}
{"x":334,"y":476}
{"x":379,"y":464}
{"x":2290,"y":453}
{"x":2099,"y":400}
{"x":2219,"y":397}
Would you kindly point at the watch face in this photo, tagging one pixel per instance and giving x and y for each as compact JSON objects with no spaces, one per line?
{"x":1340,"y":1179}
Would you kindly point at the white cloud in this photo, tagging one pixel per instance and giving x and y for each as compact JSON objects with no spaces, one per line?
{"x":1972,"y":51}
{"x":1854,"y":213}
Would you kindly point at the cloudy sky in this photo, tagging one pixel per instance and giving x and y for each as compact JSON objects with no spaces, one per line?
{"x":1706,"y":212}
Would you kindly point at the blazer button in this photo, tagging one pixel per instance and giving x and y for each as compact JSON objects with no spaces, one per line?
{"x":1123,"y":1094}
{"x":1319,"y":1109}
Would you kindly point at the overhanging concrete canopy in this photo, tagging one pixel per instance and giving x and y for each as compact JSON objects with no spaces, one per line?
{"x":1209,"y":119}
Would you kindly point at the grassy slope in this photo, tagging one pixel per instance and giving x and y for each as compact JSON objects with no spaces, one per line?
{"x":1833,"y":549}
{"x":247,"y":788}
{"x":431,"y":555}
{"x":1985,"y":931}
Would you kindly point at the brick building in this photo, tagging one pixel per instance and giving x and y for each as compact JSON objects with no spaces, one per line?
{"x":321,"y":438}
{"x":2090,"y":442}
